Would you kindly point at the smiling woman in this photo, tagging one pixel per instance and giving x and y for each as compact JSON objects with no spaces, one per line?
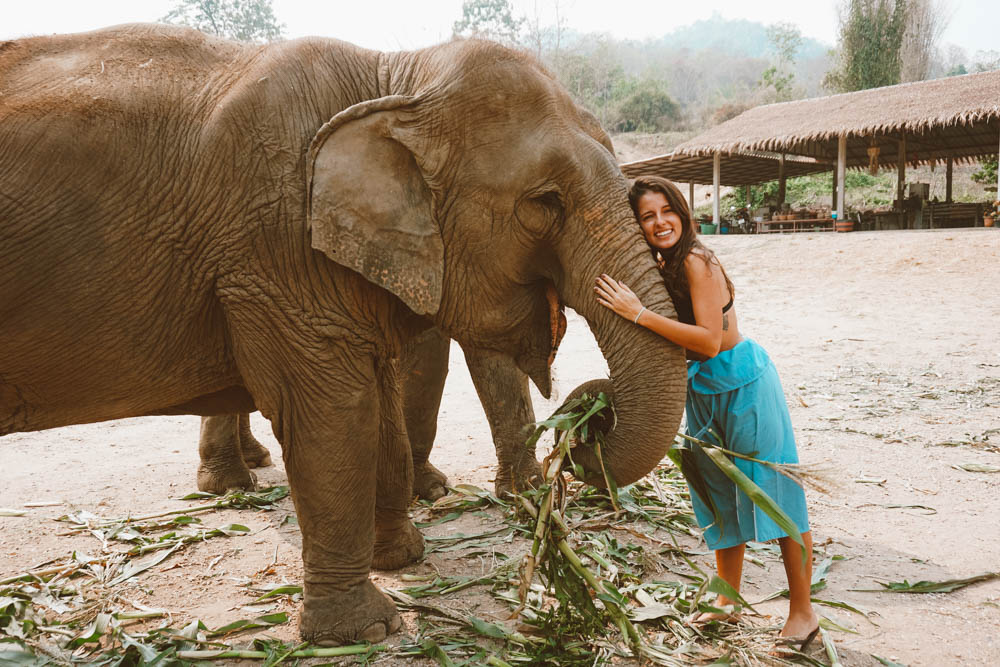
{"x":734,"y":400}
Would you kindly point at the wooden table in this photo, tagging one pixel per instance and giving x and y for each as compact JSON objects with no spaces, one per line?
{"x":797,"y":225}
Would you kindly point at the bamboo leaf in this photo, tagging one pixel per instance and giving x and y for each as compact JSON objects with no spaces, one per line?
{"x":233,"y":529}
{"x":289,"y":589}
{"x":946,"y":586}
{"x":488,"y":629}
{"x":720,"y":586}
{"x":259,"y":622}
{"x":756,"y":494}
{"x":21,"y":658}
{"x":132,"y":568}
{"x":430,"y":648}
{"x":831,"y":650}
{"x":93,"y":632}
{"x":976,"y":467}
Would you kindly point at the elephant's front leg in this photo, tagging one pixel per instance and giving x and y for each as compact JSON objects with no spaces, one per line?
{"x":503,"y":392}
{"x":329,"y":436}
{"x":222,"y":466}
{"x":397,"y":540}
{"x":321,"y":397}
{"x":424,"y":369}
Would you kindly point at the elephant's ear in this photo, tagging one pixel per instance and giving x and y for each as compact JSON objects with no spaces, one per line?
{"x":369,"y":206}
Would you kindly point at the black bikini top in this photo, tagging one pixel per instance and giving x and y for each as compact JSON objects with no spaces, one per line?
{"x":685,"y":311}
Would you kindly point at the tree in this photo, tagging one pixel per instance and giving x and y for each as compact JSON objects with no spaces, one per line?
{"x":987,"y":173}
{"x":785,"y":40}
{"x":489,"y":19}
{"x":647,"y":109}
{"x":986,"y":61}
{"x":926,"y":20}
{"x":243,"y":20}
{"x":869,"y":45}
{"x":727,"y":111}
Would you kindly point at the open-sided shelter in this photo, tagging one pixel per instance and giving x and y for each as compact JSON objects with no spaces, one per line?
{"x":938,"y":121}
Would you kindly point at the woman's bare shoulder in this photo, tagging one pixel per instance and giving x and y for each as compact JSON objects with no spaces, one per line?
{"x":699,"y":265}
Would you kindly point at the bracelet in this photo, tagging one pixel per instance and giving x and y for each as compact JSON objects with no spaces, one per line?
{"x":636,"y":320}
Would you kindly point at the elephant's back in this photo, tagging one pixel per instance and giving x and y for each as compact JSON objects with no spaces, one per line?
{"x":114,"y":75}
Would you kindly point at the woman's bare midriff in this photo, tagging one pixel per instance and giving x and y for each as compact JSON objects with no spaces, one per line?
{"x":730,"y":335}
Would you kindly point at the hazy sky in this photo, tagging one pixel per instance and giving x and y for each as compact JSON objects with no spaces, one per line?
{"x":403,"y":24}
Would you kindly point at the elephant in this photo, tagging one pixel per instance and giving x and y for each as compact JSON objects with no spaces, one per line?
{"x":229,"y":450}
{"x":190,"y":225}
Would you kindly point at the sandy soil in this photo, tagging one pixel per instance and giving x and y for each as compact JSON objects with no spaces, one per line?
{"x":888,"y":349}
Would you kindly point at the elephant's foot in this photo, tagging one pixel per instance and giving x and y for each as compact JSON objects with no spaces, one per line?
{"x":429,"y":483}
{"x":397,"y":548}
{"x":255,"y":455}
{"x":363,"y":613}
{"x":221,"y":481}
{"x":513,"y":479}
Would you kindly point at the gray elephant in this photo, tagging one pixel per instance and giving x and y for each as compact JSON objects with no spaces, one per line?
{"x":194,"y":226}
{"x":229,"y":450}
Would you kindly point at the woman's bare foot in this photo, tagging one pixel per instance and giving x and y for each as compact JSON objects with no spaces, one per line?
{"x":799,"y":632}
{"x":707,"y":617}
{"x":800,"y":624}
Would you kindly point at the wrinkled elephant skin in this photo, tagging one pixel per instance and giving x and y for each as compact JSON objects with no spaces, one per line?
{"x":229,"y":452}
{"x":190,"y":225}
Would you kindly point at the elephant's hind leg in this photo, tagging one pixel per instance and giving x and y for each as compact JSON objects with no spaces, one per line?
{"x":255,"y":455}
{"x":397,"y":540}
{"x":424,"y":370}
{"x":222,"y":466}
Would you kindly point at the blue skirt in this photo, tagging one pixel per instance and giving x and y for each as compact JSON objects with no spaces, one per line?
{"x":737,"y":396}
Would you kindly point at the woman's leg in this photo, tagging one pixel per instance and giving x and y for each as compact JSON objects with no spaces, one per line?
{"x":802,"y":619}
{"x":729,"y":562}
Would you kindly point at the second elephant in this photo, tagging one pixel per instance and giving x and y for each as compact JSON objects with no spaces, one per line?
{"x":228,"y":449}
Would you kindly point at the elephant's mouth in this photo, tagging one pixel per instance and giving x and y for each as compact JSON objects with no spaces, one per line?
{"x":557,"y":320}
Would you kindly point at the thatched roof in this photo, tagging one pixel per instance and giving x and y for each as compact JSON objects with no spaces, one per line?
{"x":734,"y":169}
{"x":956,"y":117}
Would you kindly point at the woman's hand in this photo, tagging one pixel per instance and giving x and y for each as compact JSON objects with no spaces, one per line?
{"x":617,"y":296}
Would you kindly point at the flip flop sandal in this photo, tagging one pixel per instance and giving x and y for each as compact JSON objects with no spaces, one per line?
{"x":789,"y":647}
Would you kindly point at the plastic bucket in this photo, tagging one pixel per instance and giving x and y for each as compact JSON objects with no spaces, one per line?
{"x":707,"y":228}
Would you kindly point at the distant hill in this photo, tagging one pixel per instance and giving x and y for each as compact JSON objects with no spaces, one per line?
{"x":736,"y":37}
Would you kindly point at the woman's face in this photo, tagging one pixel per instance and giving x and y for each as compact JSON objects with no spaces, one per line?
{"x":660,"y":225}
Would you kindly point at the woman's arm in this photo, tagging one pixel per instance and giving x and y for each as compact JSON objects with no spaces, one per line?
{"x":704,"y":337}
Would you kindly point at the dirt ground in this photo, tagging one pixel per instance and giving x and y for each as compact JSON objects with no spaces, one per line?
{"x":888,"y":348}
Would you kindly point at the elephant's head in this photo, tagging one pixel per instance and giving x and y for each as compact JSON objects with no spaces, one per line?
{"x":485,"y":199}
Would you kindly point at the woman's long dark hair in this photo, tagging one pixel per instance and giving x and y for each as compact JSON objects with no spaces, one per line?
{"x":671,"y":262}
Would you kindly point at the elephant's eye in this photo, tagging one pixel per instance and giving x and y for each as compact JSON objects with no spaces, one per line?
{"x":540,"y":214}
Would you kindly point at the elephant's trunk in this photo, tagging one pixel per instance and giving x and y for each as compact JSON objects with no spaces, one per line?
{"x":648,"y":376}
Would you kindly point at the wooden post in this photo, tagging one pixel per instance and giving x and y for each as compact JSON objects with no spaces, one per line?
{"x":998,"y":176}
{"x":781,"y":180}
{"x":833,"y":197}
{"x":691,"y":198}
{"x":947,"y":180}
{"x":841,"y":176}
{"x":716,"y":177}
{"x":900,"y":179}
